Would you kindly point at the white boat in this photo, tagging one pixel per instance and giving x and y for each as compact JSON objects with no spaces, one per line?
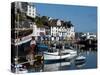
{"x":20,"y":70}
{"x":80,"y":58}
{"x":63,"y":54}
{"x":79,"y":65}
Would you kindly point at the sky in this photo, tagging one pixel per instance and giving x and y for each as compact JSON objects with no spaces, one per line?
{"x":84,"y":18}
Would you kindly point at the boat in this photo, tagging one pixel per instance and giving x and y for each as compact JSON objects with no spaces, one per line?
{"x":42,"y":47}
{"x":20,"y":69}
{"x":80,"y":64}
{"x":56,"y":54}
{"x":80,"y":61}
{"x":80,"y":58}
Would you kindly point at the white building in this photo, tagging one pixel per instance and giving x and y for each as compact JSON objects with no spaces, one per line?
{"x":56,"y":29}
{"x":59,"y":30}
{"x":89,"y":35}
{"x":31,"y":11}
{"x":34,"y":30}
{"x":38,"y":31}
{"x":70,"y":33}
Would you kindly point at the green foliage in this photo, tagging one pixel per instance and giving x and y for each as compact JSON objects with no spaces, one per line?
{"x":44,"y":19}
{"x":40,"y":21}
{"x":69,"y":24}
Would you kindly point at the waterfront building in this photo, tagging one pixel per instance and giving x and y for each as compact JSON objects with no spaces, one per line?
{"x":38,"y":31}
{"x":70,"y":33}
{"x":58,"y":29}
{"x":89,"y":35}
{"x":31,"y":10}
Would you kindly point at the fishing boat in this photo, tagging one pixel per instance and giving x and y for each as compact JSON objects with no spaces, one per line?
{"x":80,"y":58}
{"x":56,"y":54}
{"x":80,"y":61}
{"x":80,"y":64}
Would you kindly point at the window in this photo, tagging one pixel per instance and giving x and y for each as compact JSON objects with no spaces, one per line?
{"x":29,"y":13}
{"x":29,"y":6}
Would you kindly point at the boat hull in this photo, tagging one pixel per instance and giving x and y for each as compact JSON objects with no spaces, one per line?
{"x":55,"y":56}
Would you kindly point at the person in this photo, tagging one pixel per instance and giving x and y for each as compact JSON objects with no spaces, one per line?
{"x":33,"y":45}
{"x":31,"y":51}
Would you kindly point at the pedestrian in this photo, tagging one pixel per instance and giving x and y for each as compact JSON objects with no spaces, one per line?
{"x":33,"y":45}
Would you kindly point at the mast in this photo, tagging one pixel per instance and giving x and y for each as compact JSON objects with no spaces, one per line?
{"x":16,"y":57}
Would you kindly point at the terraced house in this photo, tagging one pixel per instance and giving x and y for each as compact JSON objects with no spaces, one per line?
{"x":62,"y":30}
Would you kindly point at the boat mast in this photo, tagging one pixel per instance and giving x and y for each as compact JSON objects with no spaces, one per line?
{"x":16,"y":57}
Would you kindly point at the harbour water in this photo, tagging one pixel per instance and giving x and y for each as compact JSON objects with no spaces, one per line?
{"x":89,"y":63}
{"x":47,"y":66}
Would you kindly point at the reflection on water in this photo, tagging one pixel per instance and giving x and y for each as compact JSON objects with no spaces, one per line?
{"x":90,"y":62}
{"x":89,"y":53}
{"x":46,"y":66}
{"x":56,"y":66}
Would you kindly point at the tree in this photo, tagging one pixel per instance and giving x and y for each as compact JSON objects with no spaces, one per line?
{"x":44,"y":20}
{"x":41,"y":21}
{"x":38,"y":21}
{"x":69,"y":24}
{"x":65,"y":24}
